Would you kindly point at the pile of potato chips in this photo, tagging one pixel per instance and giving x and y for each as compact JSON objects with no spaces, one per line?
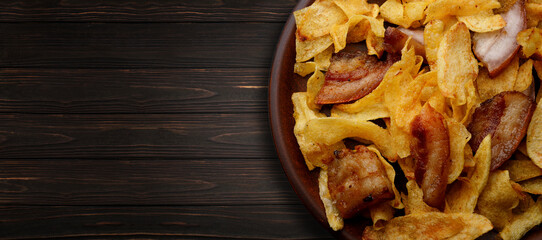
{"x":454,"y":83}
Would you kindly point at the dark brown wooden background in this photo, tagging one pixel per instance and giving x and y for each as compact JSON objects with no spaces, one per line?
{"x":142,"y":119}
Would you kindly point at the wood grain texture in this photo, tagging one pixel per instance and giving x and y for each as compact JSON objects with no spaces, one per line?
{"x":215,"y":90}
{"x":145,"y":11}
{"x":138,"y":45}
{"x":144,"y":182}
{"x":141,"y":136}
{"x":188,"y":222}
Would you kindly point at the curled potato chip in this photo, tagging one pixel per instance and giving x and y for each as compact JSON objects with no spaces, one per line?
{"x":314,"y":153}
{"x":332,"y":213}
{"x":534,"y":12}
{"x":459,"y":137}
{"x":315,"y":82}
{"x":323,"y":59}
{"x":432,"y":35}
{"x":392,"y":11}
{"x":456,"y":64}
{"x":316,"y":20}
{"x":533,"y":186}
{"x":534,"y":137}
{"x":329,"y":131}
{"x":304,"y":68}
{"x":432,"y":225}
{"x":380,"y":214}
{"x":525,"y":76}
{"x":498,"y":199}
{"x":305,"y":50}
{"x":521,"y":170}
{"x":402,"y":98}
{"x":483,"y":21}
{"x":522,"y":223}
{"x":414,"y":203}
{"x":390,"y":172}
{"x":442,"y":8}
{"x":464,"y":194}
{"x":531,"y":42}
{"x":489,"y":87}
{"x":354,"y":7}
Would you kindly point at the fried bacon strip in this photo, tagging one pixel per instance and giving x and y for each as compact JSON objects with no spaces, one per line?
{"x":395,"y":39}
{"x":357,"y":180}
{"x":431,"y":151}
{"x":497,"y":49}
{"x":352,"y":75}
{"x":506,"y":117}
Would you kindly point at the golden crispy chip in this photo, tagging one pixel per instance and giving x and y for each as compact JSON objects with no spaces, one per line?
{"x":414,"y":11}
{"x":456,"y":64}
{"x":432,"y":225}
{"x":407,"y":165}
{"x":380,"y":214}
{"x":531,"y":42}
{"x":469,"y":157}
{"x":525,"y":76}
{"x":392,"y":11}
{"x":371,"y":112}
{"x":414,"y":203}
{"x":463,"y":194}
{"x":315,"y":154}
{"x":354,"y":7}
{"x":432,"y":35}
{"x":375,"y":44}
{"x":484,"y":21}
{"x":400,"y":141}
{"x":534,"y":136}
{"x":459,"y":137}
{"x":316,"y":20}
{"x":402,"y":98}
{"x":489,"y":87}
{"x":332,"y":213}
{"x":323,"y":59}
{"x":304,"y":68}
{"x":331,"y":130}
{"x":522,"y":223}
{"x":442,"y":8}
{"x":463,"y":113}
{"x":533,"y":186}
{"x":339,"y":32}
{"x":534,"y":12}
{"x":315,"y":82}
{"x":359,"y":32}
{"x":498,"y":199}
{"x":390,"y":172}
{"x":521,"y":170}
{"x":305,"y":50}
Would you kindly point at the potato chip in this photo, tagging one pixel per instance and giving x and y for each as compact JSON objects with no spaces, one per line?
{"x":531,"y":42}
{"x":354,"y":7}
{"x":456,"y":64}
{"x":390,"y":172}
{"x":432,"y":35}
{"x":469,"y":157}
{"x":315,"y":154}
{"x":463,"y":113}
{"x":489,"y":87}
{"x":534,"y":137}
{"x":432,"y":225}
{"x":339,"y":32}
{"x":521,"y":224}
{"x":380,"y":214}
{"x":459,"y":137}
{"x":304,"y":68}
{"x":392,"y":11}
{"x":414,"y":203}
{"x":323,"y":59}
{"x":498,"y":199}
{"x":407,"y":165}
{"x":316,"y":20}
{"x":305,"y":50}
{"x":521,"y":170}
{"x":332,"y":213}
{"x":463,"y":195}
{"x":414,"y":11}
{"x":483,"y":21}
{"x":359,"y":32}
{"x":534,"y":12}
{"x":402,"y":98}
{"x":442,"y":8}
{"x":533,"y":186}
{"x":400,"y":141}
{"x":320,"y":129}
{"x":375,"y":45}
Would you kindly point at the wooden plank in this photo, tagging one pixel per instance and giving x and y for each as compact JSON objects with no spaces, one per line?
{"x":128,"y":136}
{"x":145,"y":11}
{"x":144,"y":182}
{"x":138,"y":45}
{"x":225,"y":90}
{"x":189,"y":222}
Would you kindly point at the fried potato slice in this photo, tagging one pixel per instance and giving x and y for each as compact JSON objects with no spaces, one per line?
{"x":489,"y":87}
{"x":521,"y":170}
{"x":332,"y":213}
{"x":456,"y":64}
{"x":305,"y":50}
{"x":463,"y":194}
{"x":354,"y":7}
{"x":522,"y":223}
{"x":403,"y":14}
{"x":533,"y":186}
{"x":317,"y":19}
{"x":432,"y":225}
{"x":531,"y":42}
{"x":432,"y":35}
{"x":498,"y":199}
{"x":459,"y":138}
{"x":483,"y":21}
{"x":534,"y":137}
{"x":414,"y":203}
{"x":442,"y":8}
{"x":314,"y":84}
{"x":380,"y":214}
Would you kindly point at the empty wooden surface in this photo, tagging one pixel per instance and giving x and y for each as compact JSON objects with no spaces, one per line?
{"x":142,"y":119}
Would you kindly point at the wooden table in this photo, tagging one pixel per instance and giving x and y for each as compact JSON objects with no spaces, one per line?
{"x":142,"y":119}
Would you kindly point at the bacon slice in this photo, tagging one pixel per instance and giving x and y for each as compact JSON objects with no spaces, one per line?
{"x":395,"y":39}
{"x":356,"y":180}
{"x":431,"y":151}
{"x":506,"y":117}
{"x":351,"y":76}
{"x":497,"y":49}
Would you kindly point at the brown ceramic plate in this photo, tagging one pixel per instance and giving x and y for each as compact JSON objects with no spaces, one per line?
{"x":282,"y":85}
